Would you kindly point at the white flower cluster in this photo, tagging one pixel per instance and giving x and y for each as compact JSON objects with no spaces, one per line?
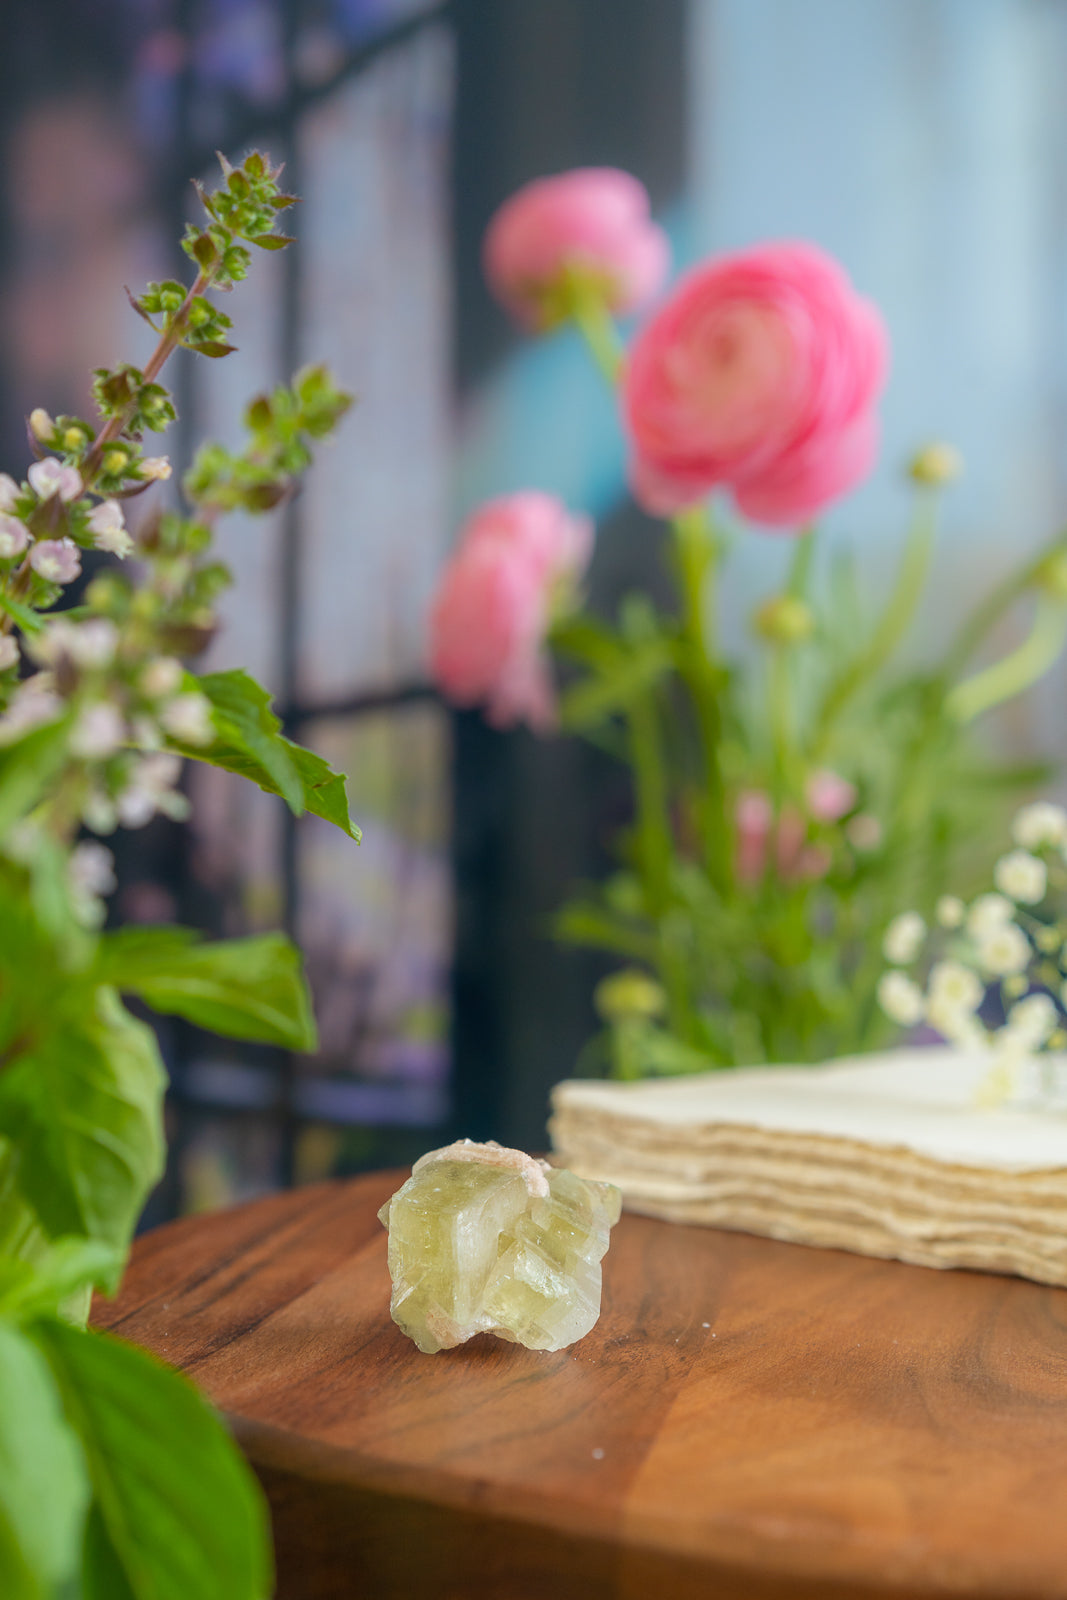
{"x":998,"y":940}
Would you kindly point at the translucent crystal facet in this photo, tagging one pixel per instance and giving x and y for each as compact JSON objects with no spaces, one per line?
{"x":487,"y":1240}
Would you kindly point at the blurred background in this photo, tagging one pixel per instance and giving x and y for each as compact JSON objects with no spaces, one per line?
{"x":923,"y":142}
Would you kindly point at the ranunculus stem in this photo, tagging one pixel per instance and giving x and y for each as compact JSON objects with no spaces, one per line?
{"x":989,"y":613}
{"x":891,"y":628}
{"x":696,"y":552}
{"x":1017,"y":671}
{"x":594,"y":323}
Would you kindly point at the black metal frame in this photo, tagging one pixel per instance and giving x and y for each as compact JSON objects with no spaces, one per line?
{"x":283,"y":1089}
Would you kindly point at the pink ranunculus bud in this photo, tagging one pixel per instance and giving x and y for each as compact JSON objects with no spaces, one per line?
{"x":495,"y":601}
{"x":760,"y":374}
{"x":58,"y":560}
{"x":829,"y":796}
{"x":49,"y":477}
{"x":753,"y":819}
{"x":593,"y":222}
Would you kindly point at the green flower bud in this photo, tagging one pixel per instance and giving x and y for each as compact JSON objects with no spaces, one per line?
{"x":629,"y":994}
{"x":115,"y":461}
{"x":1052,"y":575}
{"x":935,"y":465}
{"x":784,"y":619}
{"x":41,"y":425}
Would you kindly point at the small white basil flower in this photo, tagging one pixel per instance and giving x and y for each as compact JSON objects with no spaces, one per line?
{"x":33,"y":703}
{"x":92,"y":868}
{"x":155,"y":468}
{"x":950,"y":911}
{"x":49,"y":477}
{"x":86,"y":644}
{"x":1021,"y":876}
{"x":163,"y":676}
{"x":41,"y":424}
{"x":900,"y":999}
{"x":187,"y":718}
{"x":14,"y":536}
{"x":9,"y":492}
{"x":108,"y":528}
{"x":1004,"y":950}
{"x":99,"y":732}
{"x":9,"y":652}
{"x":58,"y":560}
{"x":903,"y":938}
{"x":1040,"y":824}
{"x":151,"y":789}
{"x":989,"y":911}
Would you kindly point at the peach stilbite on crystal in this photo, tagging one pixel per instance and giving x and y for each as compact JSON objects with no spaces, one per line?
{"x":483,"y":1239}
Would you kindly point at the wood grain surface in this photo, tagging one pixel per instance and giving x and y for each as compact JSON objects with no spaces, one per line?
{"x":747,"y":1419}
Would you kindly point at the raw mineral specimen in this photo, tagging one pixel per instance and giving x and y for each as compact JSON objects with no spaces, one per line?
{"x":488,"y":1240}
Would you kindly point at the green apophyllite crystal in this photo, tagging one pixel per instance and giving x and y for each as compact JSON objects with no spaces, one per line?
{"x":487,"y":1240}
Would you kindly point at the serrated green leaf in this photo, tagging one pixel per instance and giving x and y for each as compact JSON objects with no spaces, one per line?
{"x":250,"y":744}
{"x":244,"y":988}
{"x":180,"y":1513}
{"x":83,"y":1104}
{"x":44,"y":1488}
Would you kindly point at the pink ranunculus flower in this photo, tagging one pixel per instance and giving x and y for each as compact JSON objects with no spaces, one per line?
{"x":594,"y":221}
{"x":760,"y":374}
{"x":517,"y":558}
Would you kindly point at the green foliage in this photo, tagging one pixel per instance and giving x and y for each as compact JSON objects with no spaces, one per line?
{"x":175,"y":1512}
{"x":44,"y":1490}
{"x":244,"y":988}
{"x":117,"y":1481}
{"x":249,"y":741}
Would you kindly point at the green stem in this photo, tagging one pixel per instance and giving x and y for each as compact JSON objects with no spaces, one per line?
{"x":696,"y":552}
{"x":779,"y":707}
{"x":989,"y":613}
{"x":894,"y":623}
{"x":799,"y":579}
{"x":595,"y":324}
{"x":654,"y":841}
{"x":1017,"y":671}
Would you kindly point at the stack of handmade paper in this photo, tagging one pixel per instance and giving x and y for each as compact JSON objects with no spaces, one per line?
{"x":888,"y":1155}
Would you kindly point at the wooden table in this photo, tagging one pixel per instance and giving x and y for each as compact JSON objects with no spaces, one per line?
{"x":747,"y":1419}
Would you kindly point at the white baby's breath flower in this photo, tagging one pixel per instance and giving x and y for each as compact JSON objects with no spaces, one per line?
{"x":14,"y":536}
{"x":49,"y":477}
{"x":163,"y":676}
{"x":187,"y":718}
{"x":1021,"y":876}
{"x":98,"y":732}
{"x":9,"y":652}
{"x":1040,"y":824}
{"x":155,"y":468}
{"x":903,"y":938}
{"x":950,"y":911}
{"x":989,"y":911}
{"x":953,"y":984}
{"x":1004,"y":950}
{"x":108,"y":528}
{"x":1032,"y":1021}
{"x":9,"y":492}
{"x":900,"y":999}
